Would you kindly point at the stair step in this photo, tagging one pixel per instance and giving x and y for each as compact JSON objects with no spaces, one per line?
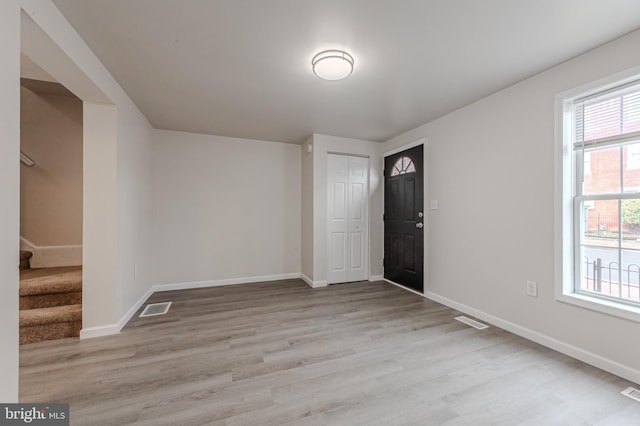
{"x":55,"y":314}
{"x":50,"y":280}
{"x":37,"y":301}
{"x":50,"y":323}
{"x":50,"y":303}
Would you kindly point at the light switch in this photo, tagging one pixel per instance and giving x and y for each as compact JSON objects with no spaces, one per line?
{"x":433,"y":205}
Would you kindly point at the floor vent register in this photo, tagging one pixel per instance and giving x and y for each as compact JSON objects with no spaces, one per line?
{"x":632,"y":393}
{"x":473,"y":323}
{"x":153,"y":309}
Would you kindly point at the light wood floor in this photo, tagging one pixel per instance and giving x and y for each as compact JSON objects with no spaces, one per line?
{"x":281,"y":352}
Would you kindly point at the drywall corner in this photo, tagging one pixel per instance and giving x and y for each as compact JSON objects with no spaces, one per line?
{"x":306,"y":243}
{"x":10,"y":196}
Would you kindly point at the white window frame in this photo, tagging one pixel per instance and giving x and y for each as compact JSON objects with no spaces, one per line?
{"x":566,"y":237}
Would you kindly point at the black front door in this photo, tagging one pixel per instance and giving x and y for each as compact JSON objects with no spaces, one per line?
{"x":403,"y":218}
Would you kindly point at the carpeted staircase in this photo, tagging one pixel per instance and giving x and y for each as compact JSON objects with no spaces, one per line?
{"x":50,"y":303}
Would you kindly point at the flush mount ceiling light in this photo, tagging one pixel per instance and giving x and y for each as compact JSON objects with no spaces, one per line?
{"x":332,"y":64}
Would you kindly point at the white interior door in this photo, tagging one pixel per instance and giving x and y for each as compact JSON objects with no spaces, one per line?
{"x":348,"y":218}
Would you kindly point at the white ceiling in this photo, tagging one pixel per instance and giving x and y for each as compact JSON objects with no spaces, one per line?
{"x":242,"y":68}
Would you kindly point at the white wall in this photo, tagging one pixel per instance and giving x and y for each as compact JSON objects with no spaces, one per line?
{"x":134,"y":188}
{"x":9,"y":194}
{"x":116,"y":234}
{"x":322,"y":145}
{"x":224,"y":208}
{"x":491,"y":166}
{"x":51,"y":191}
{"x":100,"y":289}
{"x":307,"y":210}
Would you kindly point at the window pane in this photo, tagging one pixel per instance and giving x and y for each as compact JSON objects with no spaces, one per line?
{"x":600,"y":269}
{"x":402,"y":166}
{"x":587,"y":163}
{"x":630,"y":223}
{"x":629,"y":290}
{"x":631,"y":167}
{"x":605,"y":172}
{"x":611,"y":114}
{"x":631,"y":113}
{"x":600,"y":246}
{"x":602,"y":119}
{"x":600,"y":223}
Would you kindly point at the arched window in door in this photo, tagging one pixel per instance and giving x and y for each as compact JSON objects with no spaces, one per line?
{"x":402,"y":166}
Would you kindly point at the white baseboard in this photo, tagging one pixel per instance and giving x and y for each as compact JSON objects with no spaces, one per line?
{"x":228,"y":281}
{"x":590,"y":358}
{"x":198,"y":284}
{"x":52,"y":256}
{"x":106,"y":330}
{"x":376,"y":278}
{"x":311,"y":283}
{"x":132,"y":311}
{"x":306,"y":279}
{"x":100,"y":331}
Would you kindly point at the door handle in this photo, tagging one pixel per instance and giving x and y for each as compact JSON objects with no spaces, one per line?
{"x":419,"y":225}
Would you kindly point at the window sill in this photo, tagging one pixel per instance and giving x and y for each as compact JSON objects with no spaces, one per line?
{"x":609,"y":307}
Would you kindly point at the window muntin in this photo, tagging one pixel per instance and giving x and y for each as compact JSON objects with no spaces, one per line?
{"x":402,"y":166}
{"x":587,"y":163}
{"x":606,"y":195}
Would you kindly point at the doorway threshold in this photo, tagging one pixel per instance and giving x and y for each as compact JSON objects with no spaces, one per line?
{"x":404,"y":287}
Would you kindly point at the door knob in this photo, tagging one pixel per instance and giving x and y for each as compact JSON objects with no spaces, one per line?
{"x":419,"y":225}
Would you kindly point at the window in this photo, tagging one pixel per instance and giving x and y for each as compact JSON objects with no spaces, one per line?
{"x":633,"y":157}
{"x":587,"y":163}
{"x":402,"y":166}
{"x":601,"y":197}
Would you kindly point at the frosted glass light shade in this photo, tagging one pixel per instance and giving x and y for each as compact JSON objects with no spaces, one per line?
{"x":332,"y":64}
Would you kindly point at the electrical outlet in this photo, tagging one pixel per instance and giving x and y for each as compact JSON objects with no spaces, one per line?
{"x":532,"y":288}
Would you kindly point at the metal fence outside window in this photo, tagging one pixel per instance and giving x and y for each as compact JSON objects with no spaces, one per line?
{"x":607,"y":278}
{"x":606,"y":226}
